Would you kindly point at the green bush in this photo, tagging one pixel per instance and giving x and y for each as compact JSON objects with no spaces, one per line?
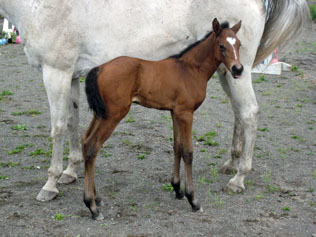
{"x":312,"y":9}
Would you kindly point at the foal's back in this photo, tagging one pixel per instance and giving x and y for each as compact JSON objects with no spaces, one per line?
{"x":161,"y":84}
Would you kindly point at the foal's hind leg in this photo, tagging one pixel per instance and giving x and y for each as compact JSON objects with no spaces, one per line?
{"x":184,"y":121}
{"x":99,"y":131}
{"x":75,"y":155}
{"x":175,"y":181}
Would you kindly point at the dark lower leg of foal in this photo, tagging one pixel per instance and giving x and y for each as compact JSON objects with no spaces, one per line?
{"x":89,"y":186}
{"x":175,"y":181}
{"x":96,"y":136}
{"x":98,"y":200}
{"x":184,"y":121}
{"x":189,"y":187}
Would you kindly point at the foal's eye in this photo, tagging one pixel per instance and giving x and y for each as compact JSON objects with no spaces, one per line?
{"x":222,"y":48}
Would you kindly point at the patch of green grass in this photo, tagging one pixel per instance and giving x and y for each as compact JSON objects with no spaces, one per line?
{"x":141,"y":157}
{"x":37,"y":152}
{"x":260,"y":79}
{"x":211,"y":142}
{"x":296,"y":137}
{"x":218,"y":202}
{"x":283,"y":152}
{"x":294,"y":68}
{"x":104,"y":153}
{"x":6,"y":93}
{"x":167,"y":117}
{"x":19,"y":127}
{"x":203,"y":150}
{"x":286,"y":208}
{"x":19,"y":149}
{"x":9,"y":164}
{"x":130,"y":119}
{"x":103,"y":225}
{"x":167,"y":188}
{"x":267,"y":176}
{"x":203,"y":180}
{"x":31,"y":112}
{"x":272,"y":189}
{"x":126,"y":142}
{"x":258,"y":197}
{"x":31,"y":167}
{"x":133,"y":207}
{"x":82,"y":79}
{"x":214,"y":172}
{"x":4,"y":177}
{"x":222,"y":151}
{"x":209,"y":134}
{"x":60,"y":217}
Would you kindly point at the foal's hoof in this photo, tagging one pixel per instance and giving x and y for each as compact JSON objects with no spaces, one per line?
{"x":197,"y":208}
{"x":231,"y":187}
{"x":228,"y":170}
{"x":45,"y":195}
{"x":98,"y":217}
{"x":180,"y":195}
{"x":66,"y":179}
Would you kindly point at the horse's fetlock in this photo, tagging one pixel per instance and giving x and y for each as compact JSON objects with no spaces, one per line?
{"x":87,"y":200}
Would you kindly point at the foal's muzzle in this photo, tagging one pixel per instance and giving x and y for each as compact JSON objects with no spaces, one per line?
{"x":236,"y":72}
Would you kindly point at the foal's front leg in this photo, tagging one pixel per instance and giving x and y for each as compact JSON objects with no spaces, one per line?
{"x":184,"y":121}
{"x":175,"y":181}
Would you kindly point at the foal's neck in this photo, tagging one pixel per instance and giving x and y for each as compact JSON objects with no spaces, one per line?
{"x":202,"y":57}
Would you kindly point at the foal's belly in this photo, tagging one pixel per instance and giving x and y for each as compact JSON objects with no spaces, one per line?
{"x":162,"y":104}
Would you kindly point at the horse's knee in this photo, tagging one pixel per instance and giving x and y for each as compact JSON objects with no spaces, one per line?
{"x":249,"y":116}
{"x":58,"y":129}
{"x":89,"y":151}
{"x":187,"y":155}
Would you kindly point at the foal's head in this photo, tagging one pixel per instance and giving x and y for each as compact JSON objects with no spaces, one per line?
{"x":227,"y":47}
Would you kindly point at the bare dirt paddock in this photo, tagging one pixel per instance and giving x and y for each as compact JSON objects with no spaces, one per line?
{"x":135,"y":165}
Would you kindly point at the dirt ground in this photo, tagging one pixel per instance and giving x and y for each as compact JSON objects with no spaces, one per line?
{"x":135,"y":165}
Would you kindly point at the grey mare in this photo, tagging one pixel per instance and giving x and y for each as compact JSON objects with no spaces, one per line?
{"x":57,"y":40}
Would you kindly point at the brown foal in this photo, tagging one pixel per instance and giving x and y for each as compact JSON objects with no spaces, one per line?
{"x":177,"y":84}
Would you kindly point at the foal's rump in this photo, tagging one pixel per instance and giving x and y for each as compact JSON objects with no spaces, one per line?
{"x":111,"y":82}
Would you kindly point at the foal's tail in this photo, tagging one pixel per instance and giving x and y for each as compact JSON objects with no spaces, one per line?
{"x":285,"y":19}
{"x":93,"y":94}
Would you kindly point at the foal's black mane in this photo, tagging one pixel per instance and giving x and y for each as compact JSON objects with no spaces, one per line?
{"x":224,"y":25}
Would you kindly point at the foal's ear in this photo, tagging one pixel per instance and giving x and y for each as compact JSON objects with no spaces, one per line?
{"x":236,"y":27}
{"x":216,"y":26}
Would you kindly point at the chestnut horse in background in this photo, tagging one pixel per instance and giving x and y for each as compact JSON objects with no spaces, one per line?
{"x":177,"y":84}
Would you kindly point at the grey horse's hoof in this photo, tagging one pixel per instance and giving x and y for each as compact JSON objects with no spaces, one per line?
{"x":99,"y":203}
{"x":45,"y":195}
{"x":99,"y":217}
{"x":231,"y":187}
{"x":66,"y":179}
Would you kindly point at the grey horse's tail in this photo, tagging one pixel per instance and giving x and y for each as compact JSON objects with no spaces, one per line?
{"x":93,"y":94}
{"x":285,"y":19}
